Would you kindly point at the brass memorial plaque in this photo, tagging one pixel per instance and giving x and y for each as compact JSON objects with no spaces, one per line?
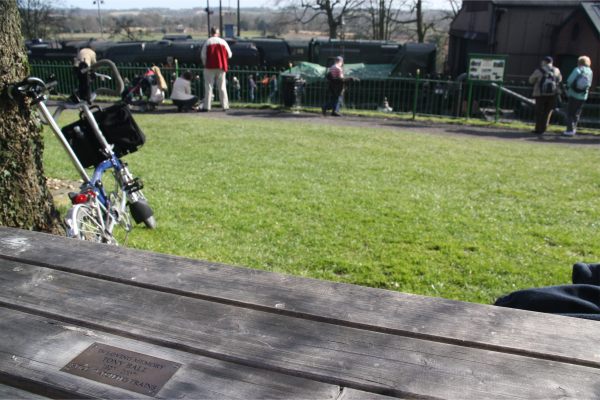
{"x":122,"y":368}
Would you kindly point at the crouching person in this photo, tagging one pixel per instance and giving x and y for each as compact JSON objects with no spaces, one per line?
{"x":182,"y":96}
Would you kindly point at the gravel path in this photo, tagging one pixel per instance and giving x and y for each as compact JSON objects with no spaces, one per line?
{"x":492,"y":133}
{"x":404,"y":125}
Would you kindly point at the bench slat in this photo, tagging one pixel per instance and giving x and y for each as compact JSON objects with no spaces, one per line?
{"x":357,"y":358}
{"x":475,"y":325}
{"x":352,"y":394}
{"x":13,"y":393}
{"x":36,"y":348}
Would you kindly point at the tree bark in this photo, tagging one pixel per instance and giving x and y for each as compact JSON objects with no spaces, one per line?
{"x":420,"y":25}
{"x":331,"y":20}
{"x":25,"y":201}
{"x":382,"y":19}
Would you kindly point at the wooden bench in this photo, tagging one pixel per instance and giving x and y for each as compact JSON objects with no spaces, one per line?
{"x":81,"y":320}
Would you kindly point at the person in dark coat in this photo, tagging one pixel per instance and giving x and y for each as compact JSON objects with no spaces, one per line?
{"x":546,"y":85}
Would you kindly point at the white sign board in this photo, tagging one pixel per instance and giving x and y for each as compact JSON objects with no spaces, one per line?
{"x":486,"y":68}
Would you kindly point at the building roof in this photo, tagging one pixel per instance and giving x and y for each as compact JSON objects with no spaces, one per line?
{"x":593,"y":12}
{"x":539,"y":3}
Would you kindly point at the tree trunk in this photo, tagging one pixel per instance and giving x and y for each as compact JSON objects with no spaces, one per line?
{"x":382,"y":18}
{"x":332,"y":23}
{"x":420,"y":24}
{"x":373,"y":15}
{"x":25,"y":201}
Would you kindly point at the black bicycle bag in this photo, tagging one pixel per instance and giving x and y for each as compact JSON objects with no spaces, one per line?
{"x":118,"y":127}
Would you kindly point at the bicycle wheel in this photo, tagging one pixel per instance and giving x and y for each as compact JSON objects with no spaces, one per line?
{"x":82,"y":223}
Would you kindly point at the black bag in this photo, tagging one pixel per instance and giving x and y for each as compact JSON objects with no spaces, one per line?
{"x":118,"y":127}
{"x":581,"y":299}
{"x":549,"y":83}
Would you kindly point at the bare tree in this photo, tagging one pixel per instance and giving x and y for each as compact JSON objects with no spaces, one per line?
{"x":422,"y":26}
{"x":455,"y":6}
{"x":281,"y":24}
{"x":379,"y":12}
{"x":426,"y":25}
{"x":39,"y":18}
{"x":336,"y":12}
{"x":125,"y":25}
{"x":262,"y":25}
{"x":25,"y":201}
{"x":386,"y":17}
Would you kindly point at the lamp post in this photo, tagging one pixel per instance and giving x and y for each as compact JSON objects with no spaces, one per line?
{"x":208,"y":12}
{"x":220,"y":18}
{"x":98,"y":2}
{"x":238,"y":18}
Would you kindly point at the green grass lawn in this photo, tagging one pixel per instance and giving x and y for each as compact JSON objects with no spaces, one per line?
{"x":456,"y":217}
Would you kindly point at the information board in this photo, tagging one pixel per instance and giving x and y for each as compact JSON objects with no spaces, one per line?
{"x":486,"y":67}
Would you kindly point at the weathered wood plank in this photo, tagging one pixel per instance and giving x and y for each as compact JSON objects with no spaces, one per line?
{"x":352,"y":394}
{"x":357,"y":358}
{"x":36,"y":348}
{"x":475,"y":325}
{"x":11,"y":392}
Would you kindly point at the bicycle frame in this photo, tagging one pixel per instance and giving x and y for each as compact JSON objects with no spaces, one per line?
{"x":95,"y":182}
{"x":63,"y":140}
{"x":102,"y":197}
{"x":95,"y":212}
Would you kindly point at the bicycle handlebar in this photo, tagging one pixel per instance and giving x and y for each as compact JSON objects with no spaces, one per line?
{"x":120,"y":86}
{"x":30,"y":87}
{"x":102,"y":76}
{"x":35,"y":88}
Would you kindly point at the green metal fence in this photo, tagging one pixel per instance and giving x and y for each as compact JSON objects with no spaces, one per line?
{"x":412,"y":94}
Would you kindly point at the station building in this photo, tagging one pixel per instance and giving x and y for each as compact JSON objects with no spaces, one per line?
{"x":526,"y":31}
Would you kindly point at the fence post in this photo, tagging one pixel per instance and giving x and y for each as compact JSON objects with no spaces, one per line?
{"x":416,"y":94}
{"x":498,"y":94}
{"x":469,"y":99}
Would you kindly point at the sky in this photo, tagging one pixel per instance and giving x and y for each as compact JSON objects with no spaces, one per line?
{"x":176,"y":4}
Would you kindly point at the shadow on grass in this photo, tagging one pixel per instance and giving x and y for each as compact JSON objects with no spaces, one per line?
{"x":524,"y":135}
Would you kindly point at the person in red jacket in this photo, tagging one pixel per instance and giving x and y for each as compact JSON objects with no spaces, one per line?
{"x":215,"y":57}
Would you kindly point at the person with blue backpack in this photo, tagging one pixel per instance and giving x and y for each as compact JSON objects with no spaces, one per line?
{"x":546,"y":82}
{"x":578,"y":89}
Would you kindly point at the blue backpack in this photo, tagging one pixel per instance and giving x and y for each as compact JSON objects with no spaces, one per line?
{"x":581,"y":83}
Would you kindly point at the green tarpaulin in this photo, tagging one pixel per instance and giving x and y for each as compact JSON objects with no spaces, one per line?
{"x":313,"y":72}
